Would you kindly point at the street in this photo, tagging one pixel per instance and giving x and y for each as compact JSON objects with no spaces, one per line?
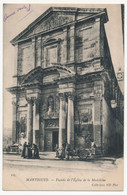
{"x":49,"y":172}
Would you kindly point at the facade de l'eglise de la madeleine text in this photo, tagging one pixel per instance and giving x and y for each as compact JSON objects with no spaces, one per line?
{"x":66,"y":90}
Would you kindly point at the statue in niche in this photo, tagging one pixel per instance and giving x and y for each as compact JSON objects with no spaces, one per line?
{"x":50,"y":105}
{"x":87,"y":116}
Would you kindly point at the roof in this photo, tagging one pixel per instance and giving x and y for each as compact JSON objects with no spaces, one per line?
{"x":84,"y":13}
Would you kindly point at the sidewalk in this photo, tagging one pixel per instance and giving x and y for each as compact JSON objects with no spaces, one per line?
{"x":52,"y":156}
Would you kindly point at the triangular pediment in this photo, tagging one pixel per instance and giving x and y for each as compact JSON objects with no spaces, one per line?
{"x":53,"y":18}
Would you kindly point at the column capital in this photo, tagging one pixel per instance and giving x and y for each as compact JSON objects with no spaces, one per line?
{"x":36,"y":100}
{"x":62,"y":96}
{"x":70,"y":95}
{"x":29,"y":100}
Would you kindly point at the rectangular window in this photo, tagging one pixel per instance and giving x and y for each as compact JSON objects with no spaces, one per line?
{"x":27,"y":64}
{"x":51,"y":56}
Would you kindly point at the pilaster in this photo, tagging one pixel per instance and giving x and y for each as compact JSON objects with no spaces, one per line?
{"x":36,"y":120}
{"x":65,"y":45}
{"x":62,"y":120}
{"x":15,"y":66}
{"x":39,"y":52}
{"x":14,"y":122}
{"x":98,"y":118}
{"x":70,"y":120}
{"x":33,"y":53}
{"x":30,"y":121}
{"x":72,"y":43}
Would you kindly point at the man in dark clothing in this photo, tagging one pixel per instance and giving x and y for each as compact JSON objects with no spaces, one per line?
{"x":36,"y":151}
{"x":29,"y":151}
{"x":24,"y":149}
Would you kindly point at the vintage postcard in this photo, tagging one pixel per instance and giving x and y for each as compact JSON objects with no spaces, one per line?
{"x":63,"y":124}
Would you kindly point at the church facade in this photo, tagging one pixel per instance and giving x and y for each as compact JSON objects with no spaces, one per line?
{"x":65,"y":89}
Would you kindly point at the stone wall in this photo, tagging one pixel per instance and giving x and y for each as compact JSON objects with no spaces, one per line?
{"x":112,"y":131}
{"x":84,"y":114}
{"x":87,"y":41}
{"x":88,"y":114}
{"x":73,"y":44}
{"x":25,"y":56}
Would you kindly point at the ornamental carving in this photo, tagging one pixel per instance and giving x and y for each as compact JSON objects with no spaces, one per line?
{"x":70,"y":95}
{"x":62,"y":96}
{"x":98,"y":91}
{"x":53,"y":21}
{"x":22,"y":101}
{"x":29,"y":100}
{"x":86,"y":116}
{"x":51,"y":123}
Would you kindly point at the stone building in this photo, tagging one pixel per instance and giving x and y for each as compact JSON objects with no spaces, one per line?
{"x":65,"y":89}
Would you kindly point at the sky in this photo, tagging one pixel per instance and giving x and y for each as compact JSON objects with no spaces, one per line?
{"x":16,"y":17}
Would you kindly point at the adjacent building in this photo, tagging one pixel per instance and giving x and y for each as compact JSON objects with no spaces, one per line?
{"x":65,"y":89}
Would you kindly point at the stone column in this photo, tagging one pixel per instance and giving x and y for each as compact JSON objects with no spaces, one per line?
{"x":33,"y":53}
{"x":36,"y":120}
{"x":59,"y":52}
{"x":30,"y":121}
{"x":72,"y":43}
{"x":14,"y":114}
{"x":62,"y":120}
{"x":42,"y":53}
{"x":70,"y":120}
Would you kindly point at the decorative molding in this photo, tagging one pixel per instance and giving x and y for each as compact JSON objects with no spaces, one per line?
{"x":51,"y":123}
{"x":70,"y":95}
{"x":29,"y":100}
{"x":62,"y":96}
{"x":86,"y":117}
{"x":55,"y":20}
{"x":98,"y":92}
{"x":36,"y":100}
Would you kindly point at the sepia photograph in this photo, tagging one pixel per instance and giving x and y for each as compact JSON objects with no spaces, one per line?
{"x":63,"y":97}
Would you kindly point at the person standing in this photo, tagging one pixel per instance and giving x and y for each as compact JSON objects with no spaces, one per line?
{"x":93,"y":147}
{"x":24,"y":150}
{"x":36,"y":151}
{"x":29,"y":151}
